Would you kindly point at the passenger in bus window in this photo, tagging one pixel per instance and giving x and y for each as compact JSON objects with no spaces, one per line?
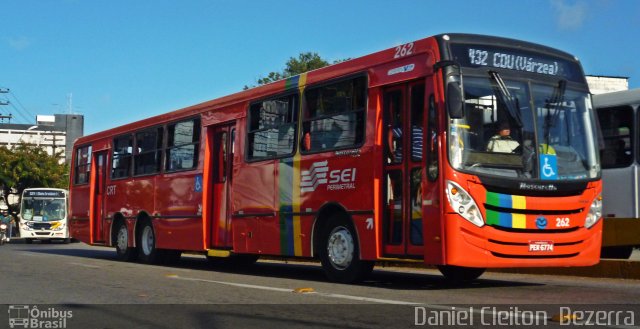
{"x":416,"y":207}
{"x":395,"y":143}
{"x":502,"y":142}
{"x":306,"y":141}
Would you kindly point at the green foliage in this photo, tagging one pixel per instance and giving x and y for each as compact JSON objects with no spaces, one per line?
{"x":303,"y":63}
{"x":29,"y":166}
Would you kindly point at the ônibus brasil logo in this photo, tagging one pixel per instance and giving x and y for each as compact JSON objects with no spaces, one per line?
{"x":26,"y":316}
{"x":319,"y":174}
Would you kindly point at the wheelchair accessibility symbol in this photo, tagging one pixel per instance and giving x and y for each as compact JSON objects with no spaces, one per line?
{"x":548,"y":167}
{"x":198,"y":184}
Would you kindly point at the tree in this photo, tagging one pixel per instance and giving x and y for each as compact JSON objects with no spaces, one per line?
{"x":29,"y":166}
{"x":303,"y":63}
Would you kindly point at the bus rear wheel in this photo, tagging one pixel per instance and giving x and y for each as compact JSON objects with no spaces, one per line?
{"x":121,"y":241}
{"x":460,"y":274}
{"x":147,"y":251}
{"x":339,"y":252}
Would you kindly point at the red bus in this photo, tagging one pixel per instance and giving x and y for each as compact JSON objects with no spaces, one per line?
{"x":317,"y":166}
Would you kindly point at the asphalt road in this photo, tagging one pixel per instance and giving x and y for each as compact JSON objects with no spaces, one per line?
{"x":101,"y":292}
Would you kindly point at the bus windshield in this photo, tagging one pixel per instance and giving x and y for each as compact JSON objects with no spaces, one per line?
{"x":525,"y":130}
{"x":43,"y":210}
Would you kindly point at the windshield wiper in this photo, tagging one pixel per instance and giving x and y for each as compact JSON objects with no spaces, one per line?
{"x":555,"y":104}
{"x":500,"y":88}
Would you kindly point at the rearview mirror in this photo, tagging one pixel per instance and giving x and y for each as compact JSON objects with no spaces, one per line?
{"x":455,"y":103}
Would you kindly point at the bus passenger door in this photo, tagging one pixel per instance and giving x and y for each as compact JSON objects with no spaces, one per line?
{"x":222,"y":168}
{"x":404,"y":122}
{"x":97,"y":202}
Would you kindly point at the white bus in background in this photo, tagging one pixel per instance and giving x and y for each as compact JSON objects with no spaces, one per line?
{"x":619,"y":117}
{"x":43,"y":215}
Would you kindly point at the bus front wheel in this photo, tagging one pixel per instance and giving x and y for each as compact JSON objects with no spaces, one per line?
{"x":340,"y":254}
{"x":460,"y":274}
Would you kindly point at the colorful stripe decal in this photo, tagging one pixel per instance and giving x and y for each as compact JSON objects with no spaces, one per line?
{"x":289,"y":190}
{"x":285,"y":177}
{"x":294,"y":82}
{"x":505,"y":219}
{"x":506,"y":201}
{"x":297,"y":227}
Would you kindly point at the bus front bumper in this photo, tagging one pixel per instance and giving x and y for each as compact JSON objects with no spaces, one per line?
{"x":44,"y":235}
{"x":489,"y":247}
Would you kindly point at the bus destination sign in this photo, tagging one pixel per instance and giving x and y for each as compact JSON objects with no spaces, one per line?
{"x":44,"y":194}
{"x":498,"y":57}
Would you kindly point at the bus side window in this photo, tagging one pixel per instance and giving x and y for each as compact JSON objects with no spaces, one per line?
{"x":82,"y":165}
{"x":617,"y":131}
{"x":333,"y":116}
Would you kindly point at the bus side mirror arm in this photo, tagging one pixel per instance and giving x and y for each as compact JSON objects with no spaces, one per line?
{"x":454,"y":91}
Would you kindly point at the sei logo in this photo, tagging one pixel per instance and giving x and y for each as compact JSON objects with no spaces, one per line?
{"x":320,"y":174}
{"x":342,"y":176}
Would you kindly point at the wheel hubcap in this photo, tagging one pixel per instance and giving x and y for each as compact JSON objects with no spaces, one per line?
{"x":123,"y":238}
{"x":340,"y":248}
{"x":147,"y":240}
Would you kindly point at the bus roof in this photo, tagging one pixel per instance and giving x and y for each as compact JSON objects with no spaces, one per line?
{"x":625,"y":97}
{"x":44,"y":189}
{"x":338,"y":70}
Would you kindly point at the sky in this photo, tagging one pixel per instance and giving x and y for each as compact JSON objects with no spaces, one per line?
{"x":119,"y":61}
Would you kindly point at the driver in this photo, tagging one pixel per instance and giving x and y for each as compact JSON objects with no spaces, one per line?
{"x":52,"y":210}
{"x":502,"y":141}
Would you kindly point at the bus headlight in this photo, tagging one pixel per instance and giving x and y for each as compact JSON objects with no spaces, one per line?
{"x":463,"y":204}
{"x":595,"y":212}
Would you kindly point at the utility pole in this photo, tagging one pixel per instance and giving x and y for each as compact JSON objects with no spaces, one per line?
{"x":3,"y":103}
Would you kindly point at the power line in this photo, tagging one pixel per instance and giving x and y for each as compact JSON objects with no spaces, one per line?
{"x":21,"y":111}
{"x":26,"y":119}
{"x":20,"y":103}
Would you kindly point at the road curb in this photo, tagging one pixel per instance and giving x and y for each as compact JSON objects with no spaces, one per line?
{"x":613,"y":269}
{"x":607,"y":268}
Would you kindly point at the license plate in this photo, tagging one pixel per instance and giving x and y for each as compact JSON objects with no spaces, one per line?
{"x":539,"y":246}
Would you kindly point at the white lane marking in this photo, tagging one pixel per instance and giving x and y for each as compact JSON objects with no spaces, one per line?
{"x":330,"y":295}
{"x":367,"y":299}
{"x":241,"y":285}
{"x":85,"y":265}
